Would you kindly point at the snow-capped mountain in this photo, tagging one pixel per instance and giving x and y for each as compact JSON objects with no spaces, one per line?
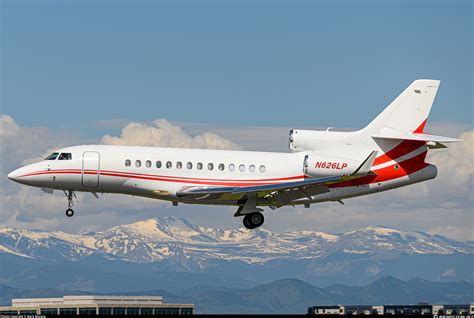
{"x":195,"y":248}
{"x":170,"y":252}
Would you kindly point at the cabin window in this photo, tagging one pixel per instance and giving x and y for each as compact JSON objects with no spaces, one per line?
{"x":242,"y":168}
{"x":231,"y":167}
{"x":252,"y":168}
{"x":221,"y":167}
{"x":179,"y":165}
{"x":262,"y":169}
{"x":52,"y":156}
{"x":158,"y":164}
{"x":138,"y":163}
{"x":210,"y":166}
{"x":168,"y":164}
{"x":65,"y":156}
{"x":128,"y":163}
{"x":199,"y":166}
{"x":148,"y":163}
{"x":189,"y":165}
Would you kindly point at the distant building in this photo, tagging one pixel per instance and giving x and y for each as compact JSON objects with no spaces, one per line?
{"x":96,"y":305}
{"x":389,"y":310}
{"x":420,"y":309}
{"x":326,"y":310}
{"x":453,"y":309}
{"x":363,"y":310}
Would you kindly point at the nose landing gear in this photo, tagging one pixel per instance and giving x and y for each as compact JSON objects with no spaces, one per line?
{"x":70,"y":202}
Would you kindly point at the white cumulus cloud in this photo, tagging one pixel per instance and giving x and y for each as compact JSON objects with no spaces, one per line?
{"x":164,"y":134}
{"x":8,"y":127}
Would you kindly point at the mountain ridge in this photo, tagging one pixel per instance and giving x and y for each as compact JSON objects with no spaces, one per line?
{"x":169,"y":247}
{"x":156,"y":239}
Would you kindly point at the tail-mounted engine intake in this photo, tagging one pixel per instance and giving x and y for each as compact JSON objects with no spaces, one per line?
{"x":300,"y":140}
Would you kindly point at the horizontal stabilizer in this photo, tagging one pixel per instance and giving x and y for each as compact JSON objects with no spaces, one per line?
{"x":415,"y":136}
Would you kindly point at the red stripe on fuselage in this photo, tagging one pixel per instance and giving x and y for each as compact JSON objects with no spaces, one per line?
{"x":161,"y":176}
{"x":71,"y":171}
{"x":220,"y":183}
{"x":201,"y":179}
{"x":224,"y":182}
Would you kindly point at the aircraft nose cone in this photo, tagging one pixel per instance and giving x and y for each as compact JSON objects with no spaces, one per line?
{"x":14,"y":175}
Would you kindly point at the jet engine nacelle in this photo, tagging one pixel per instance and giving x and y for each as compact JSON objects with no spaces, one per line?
{"x":322,"y":165}
{"x":300,"y":140}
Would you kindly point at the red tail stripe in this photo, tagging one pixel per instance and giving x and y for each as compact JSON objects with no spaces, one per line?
{"x":421,"y":128}
{"x":403,"y":148}
{"x":405,"y":168}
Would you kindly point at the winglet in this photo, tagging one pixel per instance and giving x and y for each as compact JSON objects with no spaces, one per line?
{"x":364,"y":168}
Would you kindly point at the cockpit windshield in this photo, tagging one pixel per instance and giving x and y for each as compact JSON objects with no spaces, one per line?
{"x":65,"y":156}
{"x":52,"y":156}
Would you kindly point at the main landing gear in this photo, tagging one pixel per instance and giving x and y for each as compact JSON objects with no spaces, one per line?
{"x":70,"y":202}
{"x":253,"y":220}
{"x":253,"y":217}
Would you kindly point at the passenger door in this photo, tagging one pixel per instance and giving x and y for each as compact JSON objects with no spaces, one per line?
{"x":90,"y":169}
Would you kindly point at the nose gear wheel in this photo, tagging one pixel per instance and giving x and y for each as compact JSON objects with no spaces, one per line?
{"x":70,"y":195}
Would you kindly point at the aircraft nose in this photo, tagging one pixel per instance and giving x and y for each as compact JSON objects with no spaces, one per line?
{"x":14,"y":175}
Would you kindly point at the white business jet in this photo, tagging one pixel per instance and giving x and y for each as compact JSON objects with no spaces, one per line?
{"x":321,"y":165}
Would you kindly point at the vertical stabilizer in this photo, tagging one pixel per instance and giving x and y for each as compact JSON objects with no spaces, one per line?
{"x":409,"y":111}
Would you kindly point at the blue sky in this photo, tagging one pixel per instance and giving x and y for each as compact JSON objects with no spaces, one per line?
{"x":232,"y":63}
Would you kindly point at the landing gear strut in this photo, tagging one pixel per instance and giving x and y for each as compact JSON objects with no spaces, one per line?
{"x":70,"y":197}
{"x":253,"y":220}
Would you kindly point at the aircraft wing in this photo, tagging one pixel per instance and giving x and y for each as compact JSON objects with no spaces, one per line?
{"x":276,"y":195}
{"x":257,"y":189}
